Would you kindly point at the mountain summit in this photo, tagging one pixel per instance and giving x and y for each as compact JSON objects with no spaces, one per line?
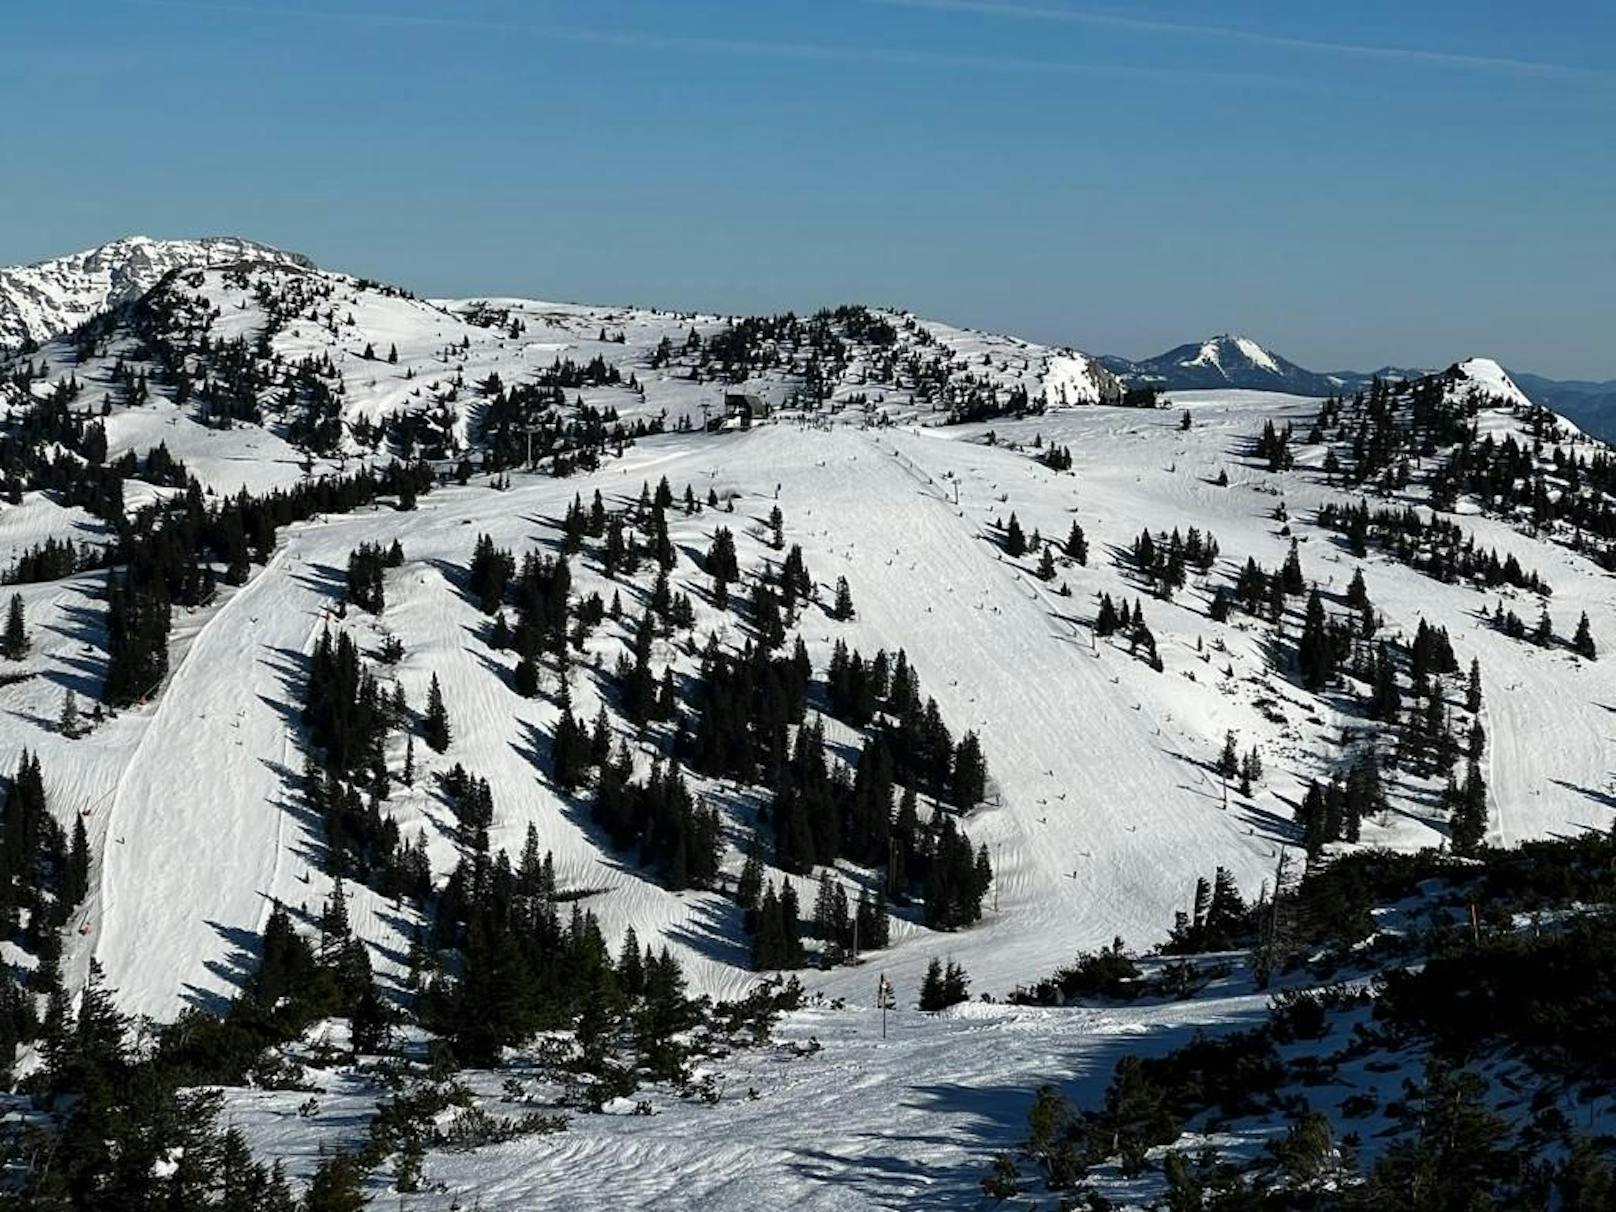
{"x":40,"y":301}
{"x":1228,"y":360}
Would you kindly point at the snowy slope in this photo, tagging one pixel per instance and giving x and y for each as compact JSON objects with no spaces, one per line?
{"x":1105,"y":816}
{"x":1103,"y":810}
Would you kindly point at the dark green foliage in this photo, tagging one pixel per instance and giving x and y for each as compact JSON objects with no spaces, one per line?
{"x":1015,"y":542}
{"x":1111,"y":973}
{"x":1077,"y":546}
{"x":943,"y":986}
{"x":37,"y":874}
{"x":435,"y":724}
{"x":14,"y":644}
{"x":1582,"y":642}
{"x":366,"y":563}
{"x":842,"y":610}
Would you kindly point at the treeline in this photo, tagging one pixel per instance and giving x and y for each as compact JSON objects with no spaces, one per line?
{"x":1438,"y":547}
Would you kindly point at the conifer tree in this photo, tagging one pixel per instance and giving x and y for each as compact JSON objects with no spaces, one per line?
{"x":1015,"y":543}
{"x":1473,"y":687}
{"x":338,"y":1182}
{"x":1229,"y":760}
{"x":931,"y":986}
{"x":78,"y":865}
{"x":843,"y":609}
{"x":14,"y":645}
{"x":436,"y":730}
{"x":1544,"y":635}
{"x":1583,"y":641}
{"x":1315,"y":649}
{"x":1077,"y":547}
{"x":969,"y":784}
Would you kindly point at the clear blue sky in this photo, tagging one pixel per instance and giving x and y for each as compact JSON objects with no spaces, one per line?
{"x":1353,"y":184}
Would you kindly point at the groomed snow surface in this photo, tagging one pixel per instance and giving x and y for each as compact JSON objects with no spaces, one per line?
{"x":1103,"y":813}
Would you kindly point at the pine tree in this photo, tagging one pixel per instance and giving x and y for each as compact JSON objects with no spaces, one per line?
{"x":769,"y":940}
{"x":1473,"y":687}
{"x":843,"y":609}
{"x":68,"y":722}
{"x":337,"y":1186}
{"x":1015,"y":543}
{"x":1315,"y":649}
{"x":1583,"y":641}
{"x":436,"y":730}
{"x":1106,"y":622}
{"x":1229,"y":759}
{"x":78,"y":865}
{"x":1290,"y":575}
{"x":14,"y":646}
{"x":969,"y":783}
{"x":1468,"y":826}
{"x":1077,"y":547}
{"x":749,"y":890}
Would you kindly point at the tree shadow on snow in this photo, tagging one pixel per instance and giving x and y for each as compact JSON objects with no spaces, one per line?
{"x":714,"y":930}
{"x":82,"y":625}
{"x":983,"y":1120}
{"x":236,"y":968}
{"x":322,"y":578}
{"x":1603,"y":798}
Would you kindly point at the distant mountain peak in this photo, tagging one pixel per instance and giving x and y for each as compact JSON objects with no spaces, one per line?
{"x":1228,"y":350}
{"x":42,"y":300}
{"x":1242,"y":362}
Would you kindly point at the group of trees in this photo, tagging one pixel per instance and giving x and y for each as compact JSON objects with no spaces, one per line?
{"x":1437,"y":547}
{"x":1540,"y":477}
{"x":349,"y":717}
{"x":533,"y":425}
{"x":743,"y":717}
{"x":1110,"y":620}
{"x":366,"y":564}
{"x":1164,"y":561}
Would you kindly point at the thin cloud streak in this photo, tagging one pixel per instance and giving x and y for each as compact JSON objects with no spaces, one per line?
{"x":802,"y":51}
{"x":1408,"y":54}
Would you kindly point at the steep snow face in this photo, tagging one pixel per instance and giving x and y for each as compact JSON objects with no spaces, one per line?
{"x":1256,"y":354}
{"x":1488,"y":377}
{"x":1230,"y":355}
{"x":39,"y":301}
{"x":1075,"y":378}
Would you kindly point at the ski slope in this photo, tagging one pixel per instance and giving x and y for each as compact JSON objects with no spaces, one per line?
{"x":1103,"y":808}
{"x":1103,"y":813}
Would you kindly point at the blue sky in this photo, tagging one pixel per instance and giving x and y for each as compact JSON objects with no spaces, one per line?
{"x":1351,"y":184}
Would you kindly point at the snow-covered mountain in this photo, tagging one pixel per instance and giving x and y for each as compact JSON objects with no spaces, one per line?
{"x":1240,"y":362}
{"x":42,"y":300}
{"x":993,"y":517}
